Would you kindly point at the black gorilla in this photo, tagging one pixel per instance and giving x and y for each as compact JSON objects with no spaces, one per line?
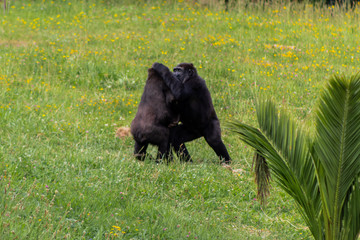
{"x":155,"y":116}
{"x":197,"y":113}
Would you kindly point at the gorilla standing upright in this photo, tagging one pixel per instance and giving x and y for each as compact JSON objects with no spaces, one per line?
{"x":197,"y":113}
{"x":155,"y":116}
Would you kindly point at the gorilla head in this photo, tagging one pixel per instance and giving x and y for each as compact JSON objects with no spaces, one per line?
{"x":185,"y":71}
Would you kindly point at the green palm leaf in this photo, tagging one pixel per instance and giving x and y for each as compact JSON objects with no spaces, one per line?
{"x":338,"y":148}
{"x":322,"y":175}
{"x":281,"y":144}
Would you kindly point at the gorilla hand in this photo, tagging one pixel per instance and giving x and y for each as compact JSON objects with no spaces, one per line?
{"x":160,"y":68}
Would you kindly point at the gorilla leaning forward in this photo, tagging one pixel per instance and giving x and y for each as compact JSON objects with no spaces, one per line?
{"x":182,"y":96}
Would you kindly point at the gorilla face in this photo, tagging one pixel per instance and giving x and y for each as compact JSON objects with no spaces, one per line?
{"x":178,"y":73}
{"x":184,"y":72}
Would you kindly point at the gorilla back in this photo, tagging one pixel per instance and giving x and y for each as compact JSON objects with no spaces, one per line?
{"x":156,"y":113}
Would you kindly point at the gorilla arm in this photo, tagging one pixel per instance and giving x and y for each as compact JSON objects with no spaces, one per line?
{"x":176,"y":87}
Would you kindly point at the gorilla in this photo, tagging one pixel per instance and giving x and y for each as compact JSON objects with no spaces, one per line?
{"x":197,"y":113}
{"x":155,"y":116}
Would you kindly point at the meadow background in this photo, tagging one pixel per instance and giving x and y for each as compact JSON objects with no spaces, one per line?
{"x":72,"y":72}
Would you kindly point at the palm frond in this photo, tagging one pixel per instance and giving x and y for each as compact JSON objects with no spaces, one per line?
{"x":287,"y":154}
{"x":338,"y":150}
{"x":323,"y":175}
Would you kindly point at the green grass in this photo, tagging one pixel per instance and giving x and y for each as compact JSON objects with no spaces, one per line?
{"x":72,"y":72}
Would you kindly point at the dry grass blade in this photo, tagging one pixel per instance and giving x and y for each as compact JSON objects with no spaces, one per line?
{"x":262,"y":177}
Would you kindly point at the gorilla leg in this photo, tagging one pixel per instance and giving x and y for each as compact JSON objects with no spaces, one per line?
{"x":164,"y":152}
{"x":159,"y":135}
{"x":178,"y":136}
{"x":212,"y":135}
{"x":140,"y":150}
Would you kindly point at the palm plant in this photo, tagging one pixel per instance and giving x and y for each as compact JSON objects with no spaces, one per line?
{"x":322,"y":173}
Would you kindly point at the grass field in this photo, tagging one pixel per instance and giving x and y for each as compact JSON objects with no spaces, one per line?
{"x":72,"y":72}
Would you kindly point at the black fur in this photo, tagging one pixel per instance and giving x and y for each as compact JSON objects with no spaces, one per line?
{"x":156,"y":114}
{"x":197,"y":113}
